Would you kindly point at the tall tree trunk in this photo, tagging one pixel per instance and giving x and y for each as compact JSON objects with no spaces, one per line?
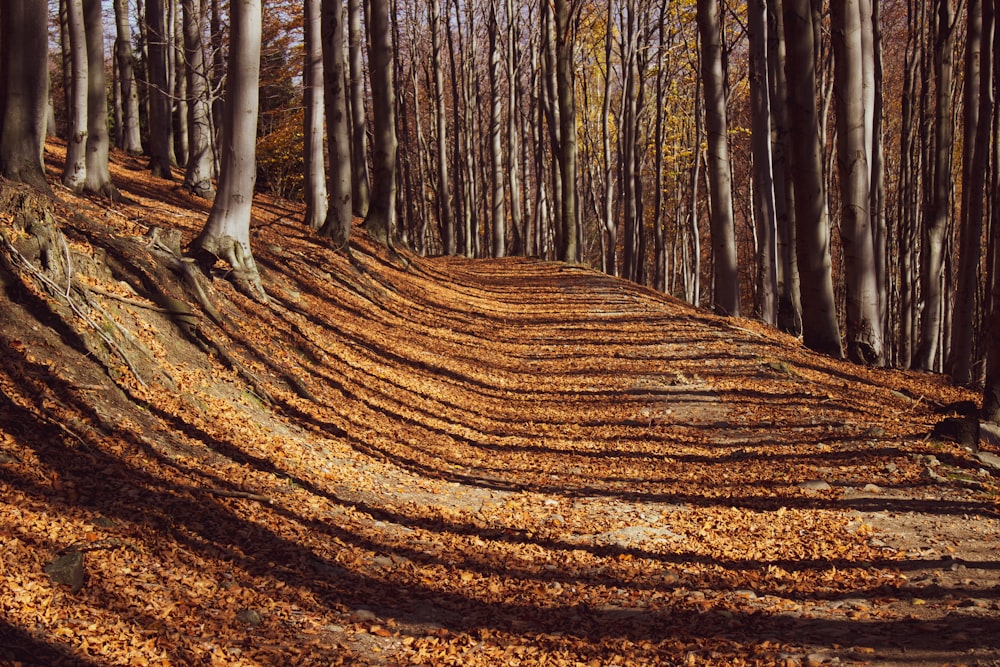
{"x":767,"y":253}
{"x":513,"y":127}
{"x":608,"y":223}
{"x":24,"y":90}
{"x":131,"y":141}
{"x":936,"y":225}
{"x":820,"y":329}
{"x":977,"y":127}
{"x":379,"y":220}
{"x":864,"y":319}
{"x":159,"y":93}
{"x":498,"y":217}
{"x":565,"y":36}
{"x":444,"y":208}
{"x":74,"y":174}
{"x":98,"y":179}
{"x":360,"y":188}
{"x":312,"y":99}
{"x":226,"y":234}
{"x":789,"y":288}
{"x":337,"y":225}
{"x":726,"y":273}
{"x":200,"y":162}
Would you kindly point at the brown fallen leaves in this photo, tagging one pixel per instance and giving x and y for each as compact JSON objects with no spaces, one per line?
{"x":501,"y":463}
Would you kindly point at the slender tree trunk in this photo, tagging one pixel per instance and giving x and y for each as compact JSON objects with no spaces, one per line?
{"x":200,"y":162}
{"x":933,"y":260}
{"x":379,"y":220}
{"x":312,"y":98}
{"x":131,"y":140}
{"x":445,"y":215}
{"x":498,"y":216}
{"x":98,"y":179}
{"x":513,"y":127}
{"x":821,"y":331}
{"x":767,"y":254}
{"x":360,"y":192}
{"x":726,"y":273}
{"x":864,"y":319}
{"x":977,"y":125}
{"x":565,"y":34}
{"x":608,"y":223}
{"x":789,"y":302}
{"x":337,"y":225}
{"x":74,"y":174}
{"x":226,"y":234}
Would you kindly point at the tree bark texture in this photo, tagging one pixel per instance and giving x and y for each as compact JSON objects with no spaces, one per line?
{"x":379,"y":221}
{"x":339,"y":213}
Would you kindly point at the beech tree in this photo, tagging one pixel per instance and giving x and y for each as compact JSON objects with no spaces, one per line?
{"x":360,"y":192}
{"x":24,"y":77}
{"x":75,"y":170}
{"x":200,"y":159}
{"x":128,"y":138}
{"x":820,"y":328}
{"x":864,"y":321}
{"x":160,"y":149}
{"x":314,"y":186}
{"x":726,"y":286}
{"x":379,"y":221}
{"x":226,"y":234}
{"x":98,"y":178}
{"x":337,"y":225}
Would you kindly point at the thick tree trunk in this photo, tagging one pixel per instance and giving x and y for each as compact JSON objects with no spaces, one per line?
{"x":24,"y":78}
{"x":74,"y":174}
{"x":726,"y":274}
{"x":864,"y":320}
{"x":158,"y":90}
{"x":820,"y":329}
{"x":200,"y":163}
{"x":379,"y":221}
{"x":98,"y":179}
{"x":339,"y":213}
{"x":226,"y":234}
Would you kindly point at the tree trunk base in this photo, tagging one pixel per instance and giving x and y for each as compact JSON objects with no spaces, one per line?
{"x":207,"y":250}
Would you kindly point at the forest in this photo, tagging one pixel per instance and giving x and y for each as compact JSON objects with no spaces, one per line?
{"x":426,"y":332}
{"x":663,"y":142}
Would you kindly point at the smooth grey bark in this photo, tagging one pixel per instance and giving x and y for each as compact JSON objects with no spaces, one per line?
{"x":381,"y":211}
{"x":98,"y":178}
{"x":789,"y":288}
{"x":628,"y":146}
{"x":609,"y":226}
{"x":74,"y":174}
{"x":24,"y":90}
{"x":444,"y":208}
{"x":497,"y":183}
{"x":763,"y":178}
{"x":977,"y":127}
{"x":312,"y":99}
{"x":726,"y":269}
{"x":565,"y":35}
{"x":201,"y":161}
{"x":339,"y":213}
{"x":864,"y":319}
{"x":360,"y":181}
{"x":226,"y":234}
{"x":939,"y":215}
{"x":820,"y":328}
{"x":513,"y":127}
{"x":160,"y":151}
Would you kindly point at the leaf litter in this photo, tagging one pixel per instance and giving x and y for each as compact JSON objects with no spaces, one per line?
{"x":503,"y":462}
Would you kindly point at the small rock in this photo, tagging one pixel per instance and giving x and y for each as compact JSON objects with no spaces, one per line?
{"x":989,"y":460}
{"x":250,"y":616}
{"x":814,"y":485}
{"x":872,"y":488}
{"x":68,"y":570}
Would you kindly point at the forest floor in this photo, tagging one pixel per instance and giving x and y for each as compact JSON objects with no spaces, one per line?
{"x":435,"y":461}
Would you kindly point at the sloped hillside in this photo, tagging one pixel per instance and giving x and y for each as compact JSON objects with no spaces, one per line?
{"x":435,"y":461}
